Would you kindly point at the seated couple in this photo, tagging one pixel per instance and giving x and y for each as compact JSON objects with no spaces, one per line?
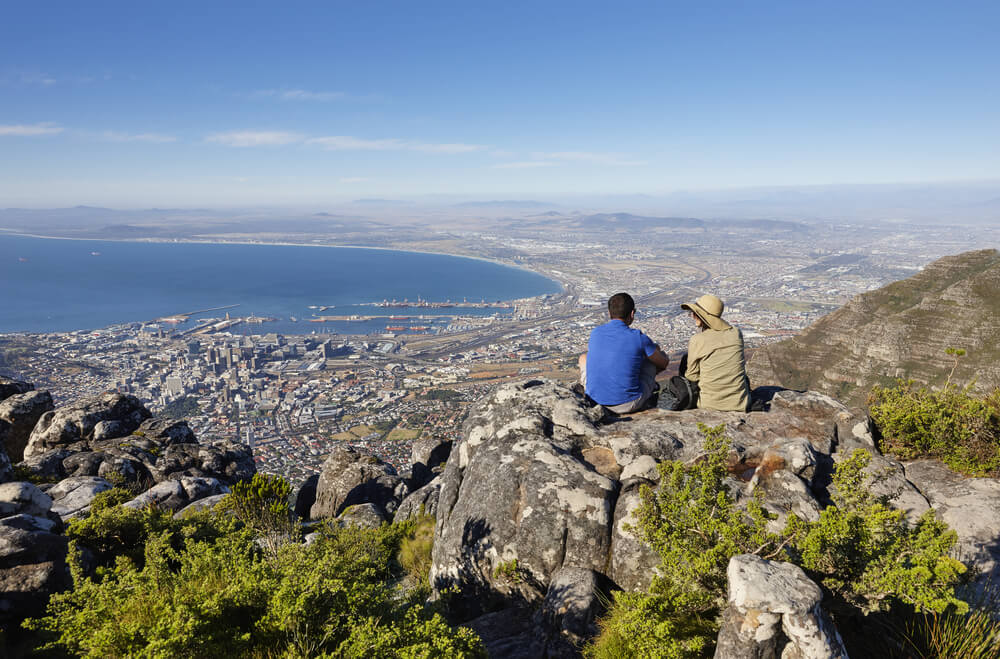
{"x":620,"y":366}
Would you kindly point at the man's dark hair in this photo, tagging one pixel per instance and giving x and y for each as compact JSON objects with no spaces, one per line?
{"x":620,"y":305}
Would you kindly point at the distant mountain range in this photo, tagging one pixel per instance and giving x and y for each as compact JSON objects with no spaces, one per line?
{"x":899,"y":331}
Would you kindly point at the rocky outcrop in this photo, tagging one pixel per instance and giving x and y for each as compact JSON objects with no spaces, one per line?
{"x":18,"y":415}
{"x":424,"y":500}
{"x":349,"y":478}
{"x":542,"y":480}
{"x":32,"y":552}
{"x":427,"y":456}
{"x":104,"y":417}
{"x":774,"y":613}
{"x":176,"y":494}
{"x":71,"y":497}
{"x":541,"y":484}
{"x":900,"y":330}
{"x":10,"y":387}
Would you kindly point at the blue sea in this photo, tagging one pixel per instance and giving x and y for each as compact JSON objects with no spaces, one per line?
{"x":54,"y":285}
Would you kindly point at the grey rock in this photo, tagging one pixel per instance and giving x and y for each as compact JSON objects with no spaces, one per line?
{"x":517,"y":488}
{"x":305,"y":496}
{"x":22,"y":412}
{"x":166,"y":432}
{"x":206,"y":503}
{"x":84,"y":463}
{"x":350,"y":478}
{"x":32,"y":523}
{"x":633,"y":562}
{"x":22,"y":498}
{"x":10,"y":387}
{"x":774,"y":611}
{"x":176,"y":494}
{"x":6,"y":468}
{"x":575,"y":600}
{"x":72,"y":497}
{"x":425,"y":499}
{"x":509,"y":633}
{"x":88,"y":420}
{"x":47,"y":465}
{"x":427,"y":455}
{"x":32,"y":567}
{"x":363,"y":515}
{"x":970,"y":506}
{"x":226,"y":461}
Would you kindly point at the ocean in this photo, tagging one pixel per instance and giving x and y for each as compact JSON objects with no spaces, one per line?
{"x":56,"y":285}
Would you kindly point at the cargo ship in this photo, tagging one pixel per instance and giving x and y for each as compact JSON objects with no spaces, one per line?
{"x":392,"y":328}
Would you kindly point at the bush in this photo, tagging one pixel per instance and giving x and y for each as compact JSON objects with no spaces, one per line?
{"x":223,"y":596}
{"x":861,"y":551}
{"x":262,"y":503}
{"x":951,"y":424}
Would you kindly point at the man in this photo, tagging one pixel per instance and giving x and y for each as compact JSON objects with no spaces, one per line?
{"x":620,"y":366}
{"x":715,"y":358}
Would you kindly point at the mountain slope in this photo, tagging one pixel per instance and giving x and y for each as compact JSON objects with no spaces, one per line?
{"x":900,"y":330}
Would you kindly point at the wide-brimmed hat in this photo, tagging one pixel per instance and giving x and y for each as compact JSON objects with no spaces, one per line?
{"x":709,"y":309}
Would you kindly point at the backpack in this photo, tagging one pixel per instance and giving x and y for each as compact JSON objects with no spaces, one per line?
{"x":684,"y":393}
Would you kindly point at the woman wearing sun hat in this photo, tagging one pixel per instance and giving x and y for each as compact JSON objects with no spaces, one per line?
{"x":715,"y":358}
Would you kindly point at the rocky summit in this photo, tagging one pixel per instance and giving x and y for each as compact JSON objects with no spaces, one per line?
{"x":899,"y":331}
{"x":534,"y":505}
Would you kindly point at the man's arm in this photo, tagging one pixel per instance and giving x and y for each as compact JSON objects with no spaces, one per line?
{"x":659,"y":359}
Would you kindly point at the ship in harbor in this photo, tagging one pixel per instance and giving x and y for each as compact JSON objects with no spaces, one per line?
{"x":395,"y":328}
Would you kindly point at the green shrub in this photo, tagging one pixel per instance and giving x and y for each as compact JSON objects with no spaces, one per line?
{"x":262,"y":503}
{"x":223,"y":596}
{"x":861,"y":551}
{"x":951,"y":424}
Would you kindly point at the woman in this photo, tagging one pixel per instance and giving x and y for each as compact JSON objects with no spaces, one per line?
{"x":715,"y":358}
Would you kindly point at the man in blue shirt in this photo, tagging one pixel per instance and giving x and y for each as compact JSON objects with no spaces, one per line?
{"x":620,"y":366}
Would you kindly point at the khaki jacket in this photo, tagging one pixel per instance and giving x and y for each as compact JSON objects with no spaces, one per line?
{"x":716,"y":362}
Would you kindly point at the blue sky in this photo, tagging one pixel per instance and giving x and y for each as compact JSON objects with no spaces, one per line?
{"x":237,"y":104}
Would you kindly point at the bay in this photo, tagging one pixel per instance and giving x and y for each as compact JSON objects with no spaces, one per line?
{"x":53,"y":285}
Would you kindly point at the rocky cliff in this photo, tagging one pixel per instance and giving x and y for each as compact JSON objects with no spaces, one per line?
{"x":899,"y":331}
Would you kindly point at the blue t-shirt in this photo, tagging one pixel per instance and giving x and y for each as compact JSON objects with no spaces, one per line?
{"x":614,"y":358}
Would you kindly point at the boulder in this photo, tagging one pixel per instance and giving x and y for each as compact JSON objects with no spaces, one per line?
{"x":305,"y":496}
{"x":633,"y":562}
{"x":6,"y":468}
{"x":176,"y":494}
{"x":98,"y":418}
{"x":970,"y":506}
{"x":423,"y":500}
{"x":32,"y":567}
{"x":21,"y":412}
{"x":226,"y":461}
{"x":166,"y":432}
{"x":206,"y":503}
{"x":427,"y":455}
{"x":72,"y":497}
{"x":47,"y":466}
{"x":10,"y":387}
{"x":568,"y":616}
{"x":350,"y":478}
{"x":774,"y":613}
{"x":517,"y":491}
{"x":509,"y":633}
{"x":22,"y":498}
{"x":363,"y":515}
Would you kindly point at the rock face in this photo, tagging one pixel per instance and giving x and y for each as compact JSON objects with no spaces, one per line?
{"x":901,"y":330}
{"x":20,"y":413}
{"x":106,"y":416}
{"x":539,"y":478}
{"x":541,"y":485}
{"x":176,"y":494}
{"x":10,"y":387}
{"x":774,"y":613}
{"x":350,"y":478}
{"x":32,"y":552}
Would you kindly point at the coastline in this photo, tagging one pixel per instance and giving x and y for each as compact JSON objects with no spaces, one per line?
{"x":562,"y":285}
